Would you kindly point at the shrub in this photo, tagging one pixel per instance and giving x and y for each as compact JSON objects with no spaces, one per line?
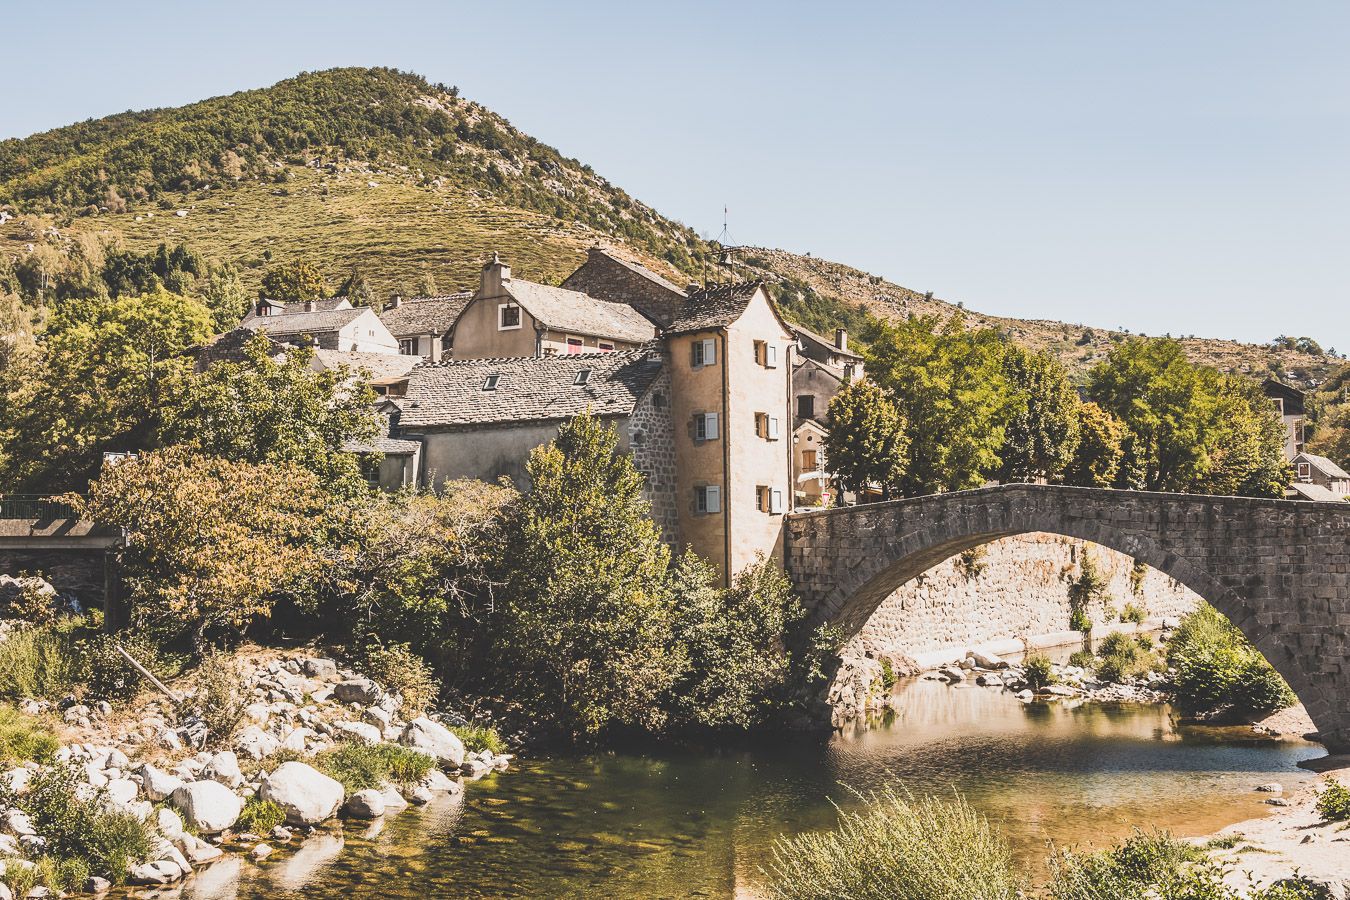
{"x":63,"y":874}
{"x":398,"y":668}
{"x":1038,"y":671}
{"x":23,"y":738}
{"x":1133,"y":613}
{"x":897,"y":847}
{"x":260,"y":816}
{"x":888,"y":676}
{"x":1333,"y":801}
{"x":1125,"y":656}
{"x":1083,"y":659}
{"x":20,"y":879}
{"x":480,"y":737}
{"x":1079,"y":620}
{"x":110,"y":676}
{"x":40,"y":661}
{"x":362,"y":766}
{"x":220,"y":697}
{"x":29,"y":603}
{"x":1217,"y":668}
{"x":1152,"y":865}
{"x":78,"y":824}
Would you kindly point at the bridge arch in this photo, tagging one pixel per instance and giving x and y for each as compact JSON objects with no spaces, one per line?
{"x":1279,"y":570}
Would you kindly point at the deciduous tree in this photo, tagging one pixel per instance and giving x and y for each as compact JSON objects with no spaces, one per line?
{"x":1096,"y":458}
{"x":293,"y":281}
{"x":866,"y":442}
{"x":1041,"y":434}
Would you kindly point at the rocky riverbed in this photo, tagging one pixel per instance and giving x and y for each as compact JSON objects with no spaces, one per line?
{"x":150,"y":759}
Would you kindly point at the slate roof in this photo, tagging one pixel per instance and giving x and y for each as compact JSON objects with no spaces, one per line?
{"x":825,"y":344}
{"x":316,"y":322}
{"x":1314,"y":492}
{"x":380,"y":365}
{"x":581,"y":314}
{"x":714,"y":306}
{"x":425,"y":315}
{"x":448,"y":394}
{"x":1323,"y":465}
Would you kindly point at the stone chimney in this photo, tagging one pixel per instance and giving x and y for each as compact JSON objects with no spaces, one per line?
{"x":841,"y":338}
{"x":692,"y":288}
{"x":310,"y":306}
{"x":394,"y":302}
{"x":495,"y":278}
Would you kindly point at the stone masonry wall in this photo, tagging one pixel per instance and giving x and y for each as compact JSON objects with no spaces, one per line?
{"x":80,"y":575}
{"x":1021,"y":590}
{"x":651,"y":440}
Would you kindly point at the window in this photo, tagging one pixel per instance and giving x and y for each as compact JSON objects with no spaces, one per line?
{"x":447,"y":343}
{"x":582,"y":377}
{"x":806,"y":406}
{"x":705,"y":426}
{"x":605,"y":347}
{"x":408,"y":346}
{"x":490,"y":382}
{"x":708,"y":498}
{"x":1279,"y":405}
{"x":776,"y":501}
{"x":508,"y":316}
{"x":773,"y":428}
{"x":761,"y":425}
{"x":768,"y":500}
{"x":809,"y":461}
{"x":1305,"y":471}
{"x":759,"y":352}
{"x":575,"y":345}
{"x":704,"y":352}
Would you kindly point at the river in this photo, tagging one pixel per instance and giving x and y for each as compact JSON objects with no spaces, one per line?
{"x":684,"y":825}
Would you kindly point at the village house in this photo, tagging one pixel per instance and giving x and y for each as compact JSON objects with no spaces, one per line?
{"x":1318,"y":478}
{"x":331,"y":324}
{"x":424,"y":326}
{"x":1289,"y":402}
{"x":609,"y":277}
{"x":811,"y":481}
{"x":510,"y":317}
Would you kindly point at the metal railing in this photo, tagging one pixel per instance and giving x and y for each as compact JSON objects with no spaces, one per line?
{"x":34,"y":506}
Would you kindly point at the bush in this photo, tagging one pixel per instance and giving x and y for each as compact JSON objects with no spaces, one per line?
{"x":1083,"y":659}
{"x":398,"y":668}
{"x":40,"y":661}
{"x":1154,"y":865}
{"x":1333,"y":801}
{"x":220,"y":698}
{"x":1218,"y":669}
{"x":480,"y":737}
{"x":1133,"y":613}
{"x":63,"y":874}
{"x":110,"y":676}
{"x":30,"y":603}
{"x":899,"y":848}
{"x":1124,"y":656}
{"x":1038,"y":671}
{"x":1079,"y":620}
{"x":23,"y":738}
{"x":362,"y":766}
{"x":260,"y":817}
{"x":78,"y":825}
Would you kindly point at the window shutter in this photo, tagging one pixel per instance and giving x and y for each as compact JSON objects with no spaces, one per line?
{"x":773,"y":428}
{"x":713,"y":497}
{"x":771,"y":356}
{"x":777,"y":503}
{"x":709,"y":352}
{"x":710,"y":426}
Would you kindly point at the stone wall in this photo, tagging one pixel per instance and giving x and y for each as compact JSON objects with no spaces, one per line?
{"x":651,"y":439}
{"x":1012,"y":588}
{"x":79,"y":575}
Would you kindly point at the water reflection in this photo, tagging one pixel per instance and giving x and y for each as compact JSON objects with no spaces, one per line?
{"x":620,"y":825}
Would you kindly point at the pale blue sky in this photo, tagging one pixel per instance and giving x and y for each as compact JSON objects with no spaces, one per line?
{"x":1174,"y":166}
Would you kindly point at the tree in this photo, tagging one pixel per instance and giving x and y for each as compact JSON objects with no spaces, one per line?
{"x":866,"y":441}
{"x":265,"y":410}
{"x":1097,"y":457}
{"x":356,"y":287}
{"x":585,"y":627}
{"x":1246,"y":444}
{"x":292,"y":282}
{"x":1041,"y":434}
{"x":948,"y":385}
{"x":212,"y":542}
{"x":98,"y":384}
{"x":225,"y":296}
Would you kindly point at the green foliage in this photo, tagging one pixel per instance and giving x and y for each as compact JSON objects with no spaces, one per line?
{"x":1217,"y":668}
{"x":63,"y":874}
{"x":480,"y":737}
{"x":801,"y":303}
{"x":398,"y":668}
{"x":948,"y":384}
{"x":1123,"y":656}
{"x":24,"y":738}
{"x":40,"y":661}
{"x":1133,"y":613}
{"x":1041,"y":433}
{"x":1084,"y":659}
{"x":220,"y":698}
{"x":972,"y":562}
{"x":262,"y":410}
{"x":249,"y":535}
{"x":1147,"y":864}
{"x":866,"y":442}
{"x":1038,"y":671}
{"x":897,"y":848}
{"x":362,"y":766}
{"x":888,"y":676}
{"x":78,"y":824}
{"x":293,"y":282}
{"x":1087,"y":590}
{"x":260,"y":817}
{"x":1138,"y":571}
{"x":108,"y":675}
{"x":1333,"y":801}
{"x":1190,"y":428}
{"x":1097,"y":457}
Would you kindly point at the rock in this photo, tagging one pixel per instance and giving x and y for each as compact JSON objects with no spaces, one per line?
{"x":157,"y":872}
{"x":952,"y":673}
{"x":197,"y":850}
{"x":17,"y":824}
{"x":207,"y":806}
{"x":1270,"y":787}
{"x":295,"y":739}
{"x":1277,"y":801}
{"x":475,"y":768}
{"x":1025,"y":695}
{"x":224,"y":768}
{"x":168,"y":823}
{"x":367,"y":804}
{"x":157,"y":784}
{"x":358,"y":690}
{"x":319,"y":668}
{"x":258,"y":713}
{"x":281,"y":833}
{"x":989,"y":679}
{"x":420,"y":795}
{"x":988,"y":660}
{"x":359,"y":731}
{"x":5,"y":892}
{"x":261,"y":851}
{"x":305,"y":794}
{"x":438,"y":781}
{"x":17,"y":779}
{"x":393,"y":800}
{"x":122,"y":791}
{"x":435,"y":740}
{"x":255,"y":743}
{"x":96,"y":885}
{"x":377,"y":717}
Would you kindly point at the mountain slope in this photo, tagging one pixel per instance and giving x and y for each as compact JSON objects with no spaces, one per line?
{"x":413,"y":183}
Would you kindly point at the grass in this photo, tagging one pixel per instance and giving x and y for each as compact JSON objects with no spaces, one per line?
{"x":24,"y":738}
{"x":362,"y":766}
{"x":260,"y":816}
{"x":483,"y":737}
{"x":41,"y":661}
{"x":897,"y":847}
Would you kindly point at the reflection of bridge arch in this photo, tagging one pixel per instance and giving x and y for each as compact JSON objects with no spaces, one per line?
{"x":1280,"y":570}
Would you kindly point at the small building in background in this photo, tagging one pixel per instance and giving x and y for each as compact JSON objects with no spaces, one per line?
{"x":1290,"y":403}
{"x":607,"y":276}
{"x":811,"y":481}
{"x":424,"y":326}
{"x":1318,"y":478}
{"x":332,"y":324}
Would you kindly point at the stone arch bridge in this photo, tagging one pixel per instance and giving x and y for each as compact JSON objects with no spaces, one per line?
{"x":1279,"y":569}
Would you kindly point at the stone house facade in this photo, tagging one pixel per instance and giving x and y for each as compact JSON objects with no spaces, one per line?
{"x":332,"y":324}
{"x":1318,"y":478}
{"x":608,"y":276}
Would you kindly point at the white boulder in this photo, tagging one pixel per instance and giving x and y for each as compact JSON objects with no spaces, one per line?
{"x":305,"y":794}
{"x":207,"y":806}
{"x":435,"y":740}
{"x":158,"y":784}
{"x":367,"y":804}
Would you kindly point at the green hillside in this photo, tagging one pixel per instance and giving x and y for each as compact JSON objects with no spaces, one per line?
{"x":414,"y":184}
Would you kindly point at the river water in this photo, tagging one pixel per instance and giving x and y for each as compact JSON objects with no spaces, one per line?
{"x":683,"y":825}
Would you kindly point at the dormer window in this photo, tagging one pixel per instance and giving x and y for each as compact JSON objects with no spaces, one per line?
{"x":508,"y":316}
{"x":490,"y":382}
{"x":582,"y":377}
{"x":1305,"y":472}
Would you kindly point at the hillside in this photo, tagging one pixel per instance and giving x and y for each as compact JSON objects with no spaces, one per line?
{"x":414,"y":184}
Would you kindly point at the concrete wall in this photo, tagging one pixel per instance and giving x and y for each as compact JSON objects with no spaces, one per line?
{"x":366,"y":334}
{"x":477,"y":335}
{"x":485,"y":453}
{"x":1017,"y":588}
